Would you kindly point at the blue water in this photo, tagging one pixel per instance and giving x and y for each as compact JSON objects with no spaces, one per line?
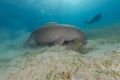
{"x":19,"y":16}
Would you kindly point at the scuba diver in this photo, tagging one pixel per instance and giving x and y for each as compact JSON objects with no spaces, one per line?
{"x":96,"y":18}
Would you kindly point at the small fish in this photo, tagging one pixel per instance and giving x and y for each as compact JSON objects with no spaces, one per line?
{"x":78,"y":44}
{"x":96,"y":18}
{"x":69,"y":75}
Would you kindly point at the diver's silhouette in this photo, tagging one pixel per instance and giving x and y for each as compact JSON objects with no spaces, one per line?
{"x":96,"y":18}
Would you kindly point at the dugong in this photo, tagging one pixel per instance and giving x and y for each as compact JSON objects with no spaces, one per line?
{"x":56,"y":34}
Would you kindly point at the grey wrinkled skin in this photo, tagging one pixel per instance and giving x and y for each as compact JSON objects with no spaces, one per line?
{"x":56,"y":34}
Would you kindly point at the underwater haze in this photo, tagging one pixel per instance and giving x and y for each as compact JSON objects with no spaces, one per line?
{"x":19,"y":16}
{"x":98,"y":19}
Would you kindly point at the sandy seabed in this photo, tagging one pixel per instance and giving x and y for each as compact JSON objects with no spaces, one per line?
{"x":102,"y":62}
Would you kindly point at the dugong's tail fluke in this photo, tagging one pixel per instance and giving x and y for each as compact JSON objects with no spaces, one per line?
{"x":30,"y":41}
{"x":27,"y":42}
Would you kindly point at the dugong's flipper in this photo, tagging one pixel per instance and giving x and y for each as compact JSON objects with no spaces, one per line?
{"x":59,"y":40}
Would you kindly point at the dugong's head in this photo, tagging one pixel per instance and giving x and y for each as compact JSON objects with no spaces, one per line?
{"x":79,"y":40}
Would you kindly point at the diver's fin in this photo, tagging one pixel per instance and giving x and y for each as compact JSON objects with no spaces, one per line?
{"x":86,"y":22}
